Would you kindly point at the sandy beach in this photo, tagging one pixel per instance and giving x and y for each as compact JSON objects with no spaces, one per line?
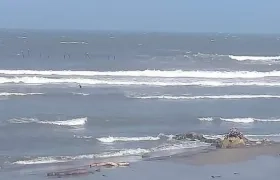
{"x":243,"y":163}
{"x":226,"y":156}
{"x":258,"y":169}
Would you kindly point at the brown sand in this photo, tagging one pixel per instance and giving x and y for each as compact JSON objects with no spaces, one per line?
{"x":225,"y":156}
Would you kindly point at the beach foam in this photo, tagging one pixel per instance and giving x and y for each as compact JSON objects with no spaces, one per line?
{"x":56,"y":159}
{"x":240,"y":120}
{"x":207,"y":97}
{"x":70,"y":122}
{"x":254,"y":58}
{"x":111,"y":139}
{"x":119,"y":153}
{"x":149,"y":73}
{"x":73,"y":42}
{"x":139,"y":82}
{"x":18,"y":94}
{"x":249,"y":120}
{"x":39,"y":160}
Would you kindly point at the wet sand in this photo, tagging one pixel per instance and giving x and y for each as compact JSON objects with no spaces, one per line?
{"x":241,"y":163}
{"x":258,"y":169}
{"x":225,"y":156}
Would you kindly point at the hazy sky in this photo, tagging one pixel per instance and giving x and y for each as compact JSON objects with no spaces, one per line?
{"x":144,"y":15}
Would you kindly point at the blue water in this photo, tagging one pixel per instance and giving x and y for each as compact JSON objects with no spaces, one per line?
{"x":186,"y":81}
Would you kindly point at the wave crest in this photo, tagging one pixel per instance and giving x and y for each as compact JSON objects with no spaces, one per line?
{"x":111,"y":139}
{"x":18,"y":94}
{"x":254,"y":58}
{"x":71,"y":122}
{"x":240,"y":120}
{"x":149,"y":73}
{"x":207,"y":97}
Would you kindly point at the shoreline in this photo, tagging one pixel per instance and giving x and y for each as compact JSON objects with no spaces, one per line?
{"x":226,"y":156}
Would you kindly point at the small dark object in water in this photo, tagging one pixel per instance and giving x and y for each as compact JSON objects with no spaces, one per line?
{"x":235,"y":173}
{"x":80,"y":86}
{"x":98,"y":170}
{"x":216,"y":176}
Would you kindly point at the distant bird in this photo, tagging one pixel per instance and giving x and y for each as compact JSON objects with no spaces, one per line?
{"x":87,"y":55}
{"x":22,"y":54}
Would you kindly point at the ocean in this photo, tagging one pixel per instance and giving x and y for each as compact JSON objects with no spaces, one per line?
{"x":68,"y":98}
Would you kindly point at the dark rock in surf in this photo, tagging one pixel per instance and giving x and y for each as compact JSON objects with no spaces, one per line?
{"x":233,"y":139}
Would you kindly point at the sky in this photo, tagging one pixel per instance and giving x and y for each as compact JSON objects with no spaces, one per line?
{"x":228,"y":16}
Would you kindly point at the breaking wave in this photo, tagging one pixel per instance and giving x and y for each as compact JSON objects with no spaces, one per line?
{"x":206,"y":119}
{"x":249,"y":120}
{"x":120,"y":153}
{"x":126,"y":139}
{"x":39,"y":160}
{"x":240,"y":120}
{"x":254,"y":58}
{"x":146,"y":77}
{"x":83,"y":94}
{"x":127,"y":82}
{"x":208,"y":97}
{"x":71,"y":122}
{"x":149,"y":73}
{"x":18,"y":94}
{"x":55,"y":159}
{"x":73,"y":42}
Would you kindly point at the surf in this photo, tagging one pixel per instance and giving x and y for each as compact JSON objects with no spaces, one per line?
{"x":149,"y":73}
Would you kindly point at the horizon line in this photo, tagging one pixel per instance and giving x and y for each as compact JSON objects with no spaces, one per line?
{"x":137,"y":31}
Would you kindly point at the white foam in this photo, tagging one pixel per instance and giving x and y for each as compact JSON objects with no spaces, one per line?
{"x":18,"y":94}
{"x":254,"y":58}
{"x":185,"y":145}
{"x":208,"y":97}
{"x":127,"y":82}
{"x":73,"y":42}
{"x":241,"y":120}
{"x":41,"y":80}
{"x":39,"y":160}
{"x":252,"y":137}
{"x":150,"y":73}
{"x":263,"y":135}
{"x":83,"y":137}
{"x":248,"y":120}
{"x":83,"y":94}
{"x":214,"y":136}
{"x":22,"y":37}
{"x":126,"y":152}
{"x":55,"y":159}
{"x":206,"y":119}
{"x":111,"y":139}
{"x":23,"y":120}
{"x":120,"y":153}
{"x":71,"y":122}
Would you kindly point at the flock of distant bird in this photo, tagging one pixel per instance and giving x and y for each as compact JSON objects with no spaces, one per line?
{"x":65,"y":55}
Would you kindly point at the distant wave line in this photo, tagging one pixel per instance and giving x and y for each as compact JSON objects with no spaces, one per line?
{"x":254,"y":58}
{"x":240,"y":120}
{"x":18,"y":94}
{"x":207,"y":97}
{"x":151,"y":73}
{"x":126,"y":82}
